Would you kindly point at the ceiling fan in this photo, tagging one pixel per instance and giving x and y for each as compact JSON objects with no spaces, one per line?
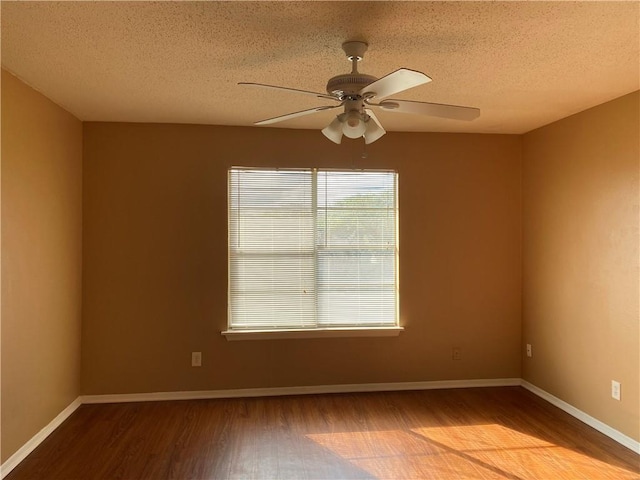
{"x":359,"y":93}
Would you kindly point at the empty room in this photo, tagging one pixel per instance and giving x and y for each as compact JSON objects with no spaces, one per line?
{"x":322,"y":240}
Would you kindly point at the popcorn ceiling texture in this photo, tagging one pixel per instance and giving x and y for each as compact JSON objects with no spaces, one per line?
{"x":524,"y":64}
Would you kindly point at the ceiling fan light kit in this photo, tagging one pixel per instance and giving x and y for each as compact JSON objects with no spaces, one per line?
{"x":358,"y":93}
{"x":353,"y":125}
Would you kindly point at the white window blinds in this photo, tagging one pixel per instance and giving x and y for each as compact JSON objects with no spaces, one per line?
{"x":312,"y":249}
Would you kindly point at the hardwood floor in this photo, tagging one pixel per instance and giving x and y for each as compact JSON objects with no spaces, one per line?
{"x":484,"y":433}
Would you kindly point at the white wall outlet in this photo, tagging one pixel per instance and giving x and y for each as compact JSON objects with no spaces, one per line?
{"x":615,"y":389}
{"x":196,"y":359}
{"x":456,"y":353}
{"x":529,"y":352}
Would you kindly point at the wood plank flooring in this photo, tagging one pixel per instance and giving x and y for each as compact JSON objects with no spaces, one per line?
{"x":482,"y":433}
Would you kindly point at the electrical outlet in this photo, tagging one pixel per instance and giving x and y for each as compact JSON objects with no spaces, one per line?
{"x":456,"y":353}
{"x":529,"y":352}
{"x":196,"y":359}
{"x":615,"y":389}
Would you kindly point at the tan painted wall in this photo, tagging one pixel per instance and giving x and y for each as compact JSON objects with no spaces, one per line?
{"x":155,"y":264}
{"x":580,"y":289}
{"x":41,"y":261}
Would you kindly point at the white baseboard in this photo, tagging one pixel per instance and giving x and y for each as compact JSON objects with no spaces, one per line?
{"x":610,"y":432}
{"x":13,"y":461}
{"x":308,"y":390}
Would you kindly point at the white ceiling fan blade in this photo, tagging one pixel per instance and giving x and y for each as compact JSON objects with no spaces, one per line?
{"x":289,"y":116}
{"x":455,"y":112}
{"x":374,"y":128}
{"x":292,"y":90}
{"x":395,"y":82}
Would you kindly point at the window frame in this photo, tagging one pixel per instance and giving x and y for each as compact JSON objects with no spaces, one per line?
{"x":319,"y":330}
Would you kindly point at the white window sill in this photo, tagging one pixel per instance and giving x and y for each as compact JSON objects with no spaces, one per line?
{"x":233,"y":335}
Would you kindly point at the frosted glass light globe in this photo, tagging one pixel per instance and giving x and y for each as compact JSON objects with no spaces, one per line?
{"x":354,"y":126}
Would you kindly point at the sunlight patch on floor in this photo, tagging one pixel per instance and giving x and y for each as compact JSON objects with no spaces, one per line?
{"x":523,"y":456}
{"x":396,"y":454}
{"x":467,"y":451}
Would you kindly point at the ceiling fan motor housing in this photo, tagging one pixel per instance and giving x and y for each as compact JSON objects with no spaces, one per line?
{"x":348,"y":84}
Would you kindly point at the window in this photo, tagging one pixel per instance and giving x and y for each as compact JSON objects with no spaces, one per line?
{"x":312,"y":250}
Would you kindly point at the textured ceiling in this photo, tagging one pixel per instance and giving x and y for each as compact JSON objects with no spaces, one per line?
{"x":524,"y":64}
